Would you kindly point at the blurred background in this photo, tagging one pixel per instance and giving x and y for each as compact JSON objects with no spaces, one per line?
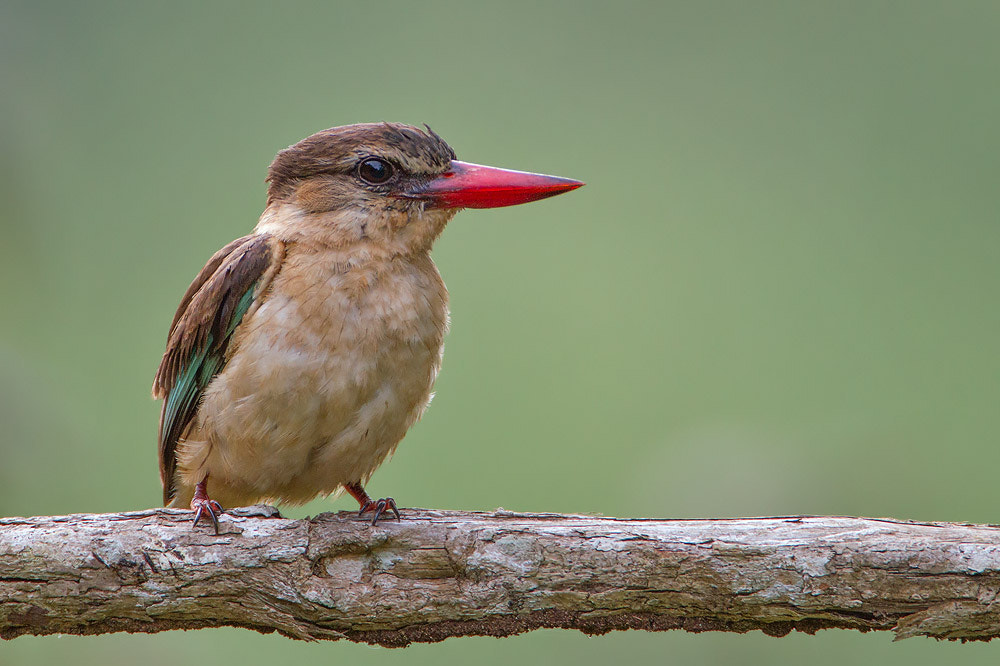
{"x":776,"y":295}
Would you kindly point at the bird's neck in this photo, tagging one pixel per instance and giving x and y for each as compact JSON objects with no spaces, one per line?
{"x":352,"y":235}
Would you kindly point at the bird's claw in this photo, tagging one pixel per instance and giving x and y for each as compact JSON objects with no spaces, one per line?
{"x":380,"y":507}
{"x":205,"y":506}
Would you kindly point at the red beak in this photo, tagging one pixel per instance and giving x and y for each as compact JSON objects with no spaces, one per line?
{"x":467,"y":185}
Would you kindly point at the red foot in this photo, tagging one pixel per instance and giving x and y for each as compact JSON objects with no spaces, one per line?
{"x":367,"y":504}
{"x":380,"y":507}
{"x":203,"y":504}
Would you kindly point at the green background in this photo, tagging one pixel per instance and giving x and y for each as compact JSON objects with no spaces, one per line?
{"x":777,"y":293}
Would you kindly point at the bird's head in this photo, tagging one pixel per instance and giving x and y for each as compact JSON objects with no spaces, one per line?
{"x":385,"y":186}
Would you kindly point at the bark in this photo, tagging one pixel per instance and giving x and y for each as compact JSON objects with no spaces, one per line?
{"x":437,"y":574}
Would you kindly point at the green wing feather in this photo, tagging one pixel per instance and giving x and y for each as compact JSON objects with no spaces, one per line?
{"x":209,"y":314}
{"x":200,"y":370}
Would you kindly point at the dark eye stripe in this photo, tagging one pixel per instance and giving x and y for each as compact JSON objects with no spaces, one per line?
{"x":375,"y":171}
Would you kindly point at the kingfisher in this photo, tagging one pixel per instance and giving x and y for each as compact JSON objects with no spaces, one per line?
{"x":302,"y":353}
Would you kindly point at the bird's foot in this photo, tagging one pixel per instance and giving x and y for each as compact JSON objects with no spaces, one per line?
{"x":380,"y":507}
{"x":368,"y":504}
{"x":204,"y":505}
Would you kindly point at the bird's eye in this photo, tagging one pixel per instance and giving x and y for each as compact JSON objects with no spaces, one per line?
{"x":375,"y":171}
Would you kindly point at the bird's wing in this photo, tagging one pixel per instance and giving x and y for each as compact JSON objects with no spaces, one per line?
{"x":213,"y":306}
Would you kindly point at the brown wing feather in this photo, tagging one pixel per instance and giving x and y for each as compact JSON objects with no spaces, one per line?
{"x":200,"y":325}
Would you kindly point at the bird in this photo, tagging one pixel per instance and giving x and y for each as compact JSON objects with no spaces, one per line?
{"x":302,"y":353}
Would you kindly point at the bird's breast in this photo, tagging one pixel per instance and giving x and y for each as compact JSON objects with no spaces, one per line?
{"x":360,"y":316}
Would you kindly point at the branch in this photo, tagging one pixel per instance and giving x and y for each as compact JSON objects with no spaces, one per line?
{"x":437,"y":574}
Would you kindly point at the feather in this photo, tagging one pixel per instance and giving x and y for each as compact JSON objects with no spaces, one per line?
{"x":209,"y":313}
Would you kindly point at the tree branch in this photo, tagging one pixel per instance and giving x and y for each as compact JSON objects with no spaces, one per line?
{"x":437,"y":574}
